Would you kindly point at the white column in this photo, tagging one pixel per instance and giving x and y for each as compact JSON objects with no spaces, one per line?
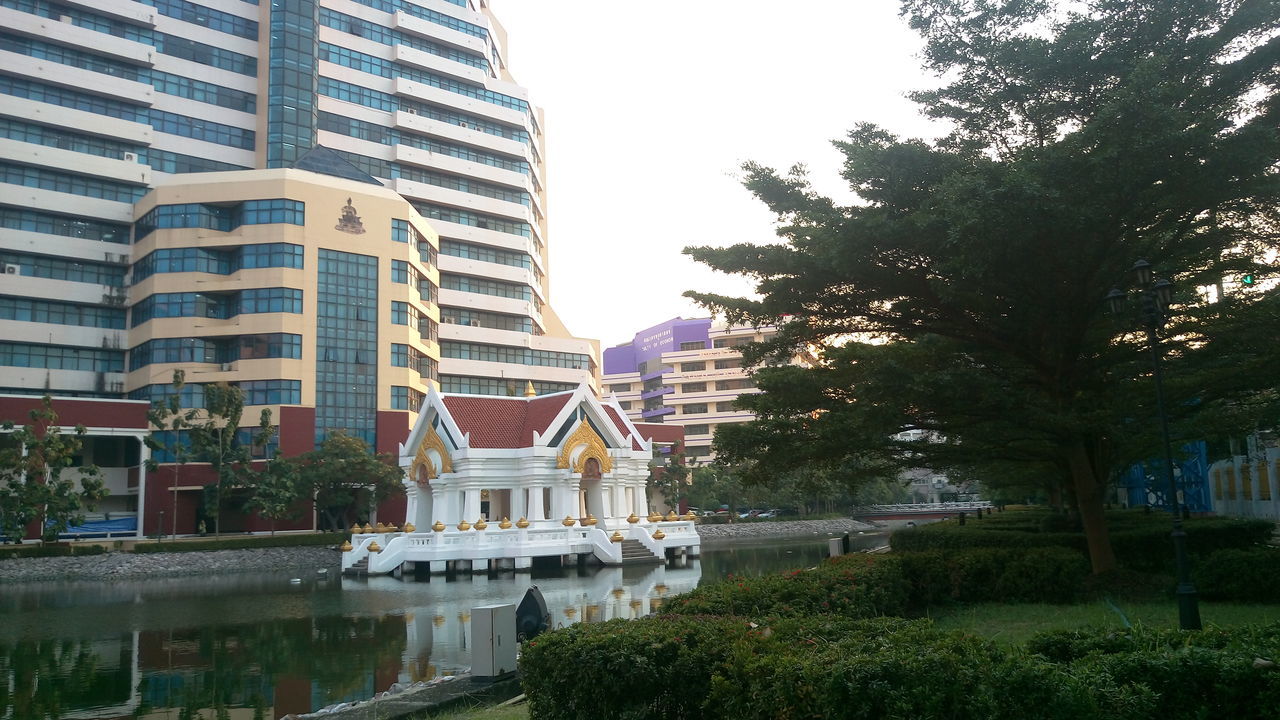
{"x":619,"y":501}
{"x":144,"y":455}
{"x":471,"y":511}
{"x":642,"y":500}
{"x":535,"y":504}
{"x":518,"y":504}
{"x":438,"y":509}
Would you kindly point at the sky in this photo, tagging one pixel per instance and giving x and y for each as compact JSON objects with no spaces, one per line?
{"x":652,"y":106}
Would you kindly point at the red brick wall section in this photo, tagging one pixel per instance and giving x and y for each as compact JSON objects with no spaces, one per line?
{"x":297,"y":430}
{"x":128,"y":414}
{"x":393,"y":429}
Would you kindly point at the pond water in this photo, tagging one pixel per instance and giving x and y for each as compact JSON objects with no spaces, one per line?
{"x":259,"y":646}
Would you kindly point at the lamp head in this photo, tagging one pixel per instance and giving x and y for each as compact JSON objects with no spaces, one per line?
{"x":1142,"y":270}
{"x":1116,"y":300}
{"x":1164,"y":292}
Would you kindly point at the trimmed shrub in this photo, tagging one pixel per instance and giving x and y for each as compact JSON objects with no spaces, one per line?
{"x":242,"y":542}
{"x":49,"y":550}
{"x":648,"y":668}
{"x":1251,"y":575}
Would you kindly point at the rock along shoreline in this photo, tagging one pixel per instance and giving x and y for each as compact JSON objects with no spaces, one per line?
{"x":130,"y":566}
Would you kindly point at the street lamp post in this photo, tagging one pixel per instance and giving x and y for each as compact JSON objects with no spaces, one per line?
{"x":1155,"y":297}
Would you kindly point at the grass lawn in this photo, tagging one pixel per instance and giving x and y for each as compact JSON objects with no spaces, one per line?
{"x":507,"y":712}
{"x":1013,"y":624}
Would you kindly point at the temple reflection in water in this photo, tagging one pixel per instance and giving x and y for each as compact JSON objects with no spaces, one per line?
{"x":265,"y":648}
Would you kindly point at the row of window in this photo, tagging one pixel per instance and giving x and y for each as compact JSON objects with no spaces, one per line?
{"x":485,"y":286}
{"x":13,"y":218}
{"x":347,"y":57}
{"x":216,"y":350}
{"x":408,"y":356}
{"x":470,"y":251}
{"x":256,"y":392}
{"x":387,"y":102}
{"x":55,"y":357}
{"x":206,"y":17}
{"x":163,"y":82}
{"x":516,"y":355}
{"x":388,"y":36}
{"x":403,"y":313}
{"x":407,"y":6}
{"x":245,"y":437}
{"x":70,"y":183}
{"x":373,"y":132}
{"x":403,"y":272}
{"x":468,"y":385}
{"x":52,"y":268}
{"x":217,"y":305}
{"x":406,"y":398}
{"x":223,"y":218}
{"x":476,"y":220}
{"x":462,"y":184}
{"x":61,"y":313}
{"x":171,"y":45}
{"x":221,"y":262}
{"x":481,"y":318}
{"x":722,"y":364}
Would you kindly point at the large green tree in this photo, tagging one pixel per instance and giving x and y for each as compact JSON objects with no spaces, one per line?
{"x":343,"y":475}
{"x":33,"y":487}
{"x":962,"y":293}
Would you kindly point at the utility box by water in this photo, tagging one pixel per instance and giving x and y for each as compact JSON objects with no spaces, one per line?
{"x":493,"y":642}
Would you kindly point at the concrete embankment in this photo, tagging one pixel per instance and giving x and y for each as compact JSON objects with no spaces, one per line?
{"x":125,"y":565}
{"x":760,"y":530}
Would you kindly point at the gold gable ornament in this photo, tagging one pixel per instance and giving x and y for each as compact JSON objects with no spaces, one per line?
{"x":349,"y":222}
{"x":430,"y":441}
{"x":596,"y":448}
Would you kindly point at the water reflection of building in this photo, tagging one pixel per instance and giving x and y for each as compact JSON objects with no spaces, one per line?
{"x":283,"y":649}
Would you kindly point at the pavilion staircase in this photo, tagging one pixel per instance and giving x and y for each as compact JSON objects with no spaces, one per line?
{"x":635,"y":553}
{"x":358,"y":568}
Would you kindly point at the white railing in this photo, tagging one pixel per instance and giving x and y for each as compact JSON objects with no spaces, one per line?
{"x":607,"y":551}
{"x":925,"y":507}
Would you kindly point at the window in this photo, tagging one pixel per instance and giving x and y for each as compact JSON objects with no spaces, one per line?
{"x":495,"y":386}
{"x":65,"y":225}
{"x":54,"y":357}
{"x":725,"y":407}
{"x":223,"y":218}
{"x":697,"y":451}
{"x":699,"y":429}
{"x":483,"y":286}
{"x":741,"y":384}
{"x":695,"y":387}
{"x":692,"y":366}
{"x":620,"y":387}
{"x":625,"y":404}
{"x":406,"y":398}
{"x":730,"y":342}
{"x":693,"y":409}
{"x":696,"y":345}
{"x":516,"y":355}
{"x":53,"y":268}
{"x":400,"y":230}
{"x":60,"y":313}
{"x":271,"y":392}
{"x":729,"y":364}
{"x":481,"y":318}
{"x":483,"y":253}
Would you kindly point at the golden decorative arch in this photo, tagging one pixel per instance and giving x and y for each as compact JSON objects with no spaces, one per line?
{"x":431,"y":441}
{"x":596,"y":448}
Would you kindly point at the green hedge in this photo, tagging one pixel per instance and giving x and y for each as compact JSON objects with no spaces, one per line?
{"x":863,"y":586}
{"x":241,"y":542}
{"x":1251,"y":575}
{"x":1141,"y":541}
{"x":830,"y":667}
{"x":49,"y":550}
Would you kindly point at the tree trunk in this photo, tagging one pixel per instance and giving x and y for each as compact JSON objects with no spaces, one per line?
{"x":1089,"y":502}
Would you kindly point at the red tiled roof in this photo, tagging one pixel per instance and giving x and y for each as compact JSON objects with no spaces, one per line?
{"x":501,"y":422}
{"x":661,"y":432}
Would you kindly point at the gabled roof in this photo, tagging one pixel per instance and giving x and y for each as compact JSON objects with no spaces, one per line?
{"x":504,"y":422}
{"x":660,"y":432}
{"x":621,"y":424}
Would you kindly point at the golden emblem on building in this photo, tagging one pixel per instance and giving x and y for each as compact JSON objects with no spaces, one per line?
{"x":350,"y":221}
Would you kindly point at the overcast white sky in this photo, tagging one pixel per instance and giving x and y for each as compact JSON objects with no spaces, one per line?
{"x":651,"y":107}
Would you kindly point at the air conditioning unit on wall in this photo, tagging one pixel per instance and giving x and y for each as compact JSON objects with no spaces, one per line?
{"x":131,"y":157}
{"x":12,"y":269}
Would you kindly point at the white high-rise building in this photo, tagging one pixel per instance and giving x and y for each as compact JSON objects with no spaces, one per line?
{"x":102,"y":101}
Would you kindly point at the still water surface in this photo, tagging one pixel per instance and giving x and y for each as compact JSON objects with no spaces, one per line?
{"x":258,"y":646}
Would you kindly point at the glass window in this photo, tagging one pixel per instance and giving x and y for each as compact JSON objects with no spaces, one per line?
{"x":693,"y":409}
{"x":700,"y":429}
{"x":692,"y":366}
{"x":694,"y":387}
{"x":696,"y":345}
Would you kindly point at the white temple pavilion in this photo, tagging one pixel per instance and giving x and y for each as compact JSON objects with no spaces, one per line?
{"x":493,"y":482}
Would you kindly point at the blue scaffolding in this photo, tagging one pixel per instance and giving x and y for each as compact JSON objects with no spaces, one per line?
{"x":1146,"y":483}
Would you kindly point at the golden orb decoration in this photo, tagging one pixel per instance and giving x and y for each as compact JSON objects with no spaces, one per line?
{"x":355,"y":529}
{"x":438,"y":620}
{"x":633,"y":519}
{"x":618,"y":593}
{"x":522,"y":523}
{"x":615,"y":537}
{"x":688,"y":516}
{"x":481,"y":524}
{"x":658,"y":534}
{"x":380,"y":527}
{"x":568,"y":521}
{"x":660,"y":588}
{"x":438,"y":526}
{"x":505,"y":524}
{"x":570,"y":612}
{"x":368,"y":529}
{"x":374,"y":547}
{"x":672,"y":517}
{"x":410,"y":527}
{"x":464,"y":526}
{"x":591,"y":520}
{"x":655,"y":516}
{"x":345,"y":546}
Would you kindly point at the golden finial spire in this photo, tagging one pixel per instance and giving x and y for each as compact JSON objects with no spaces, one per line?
{"x":529,"y":391}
